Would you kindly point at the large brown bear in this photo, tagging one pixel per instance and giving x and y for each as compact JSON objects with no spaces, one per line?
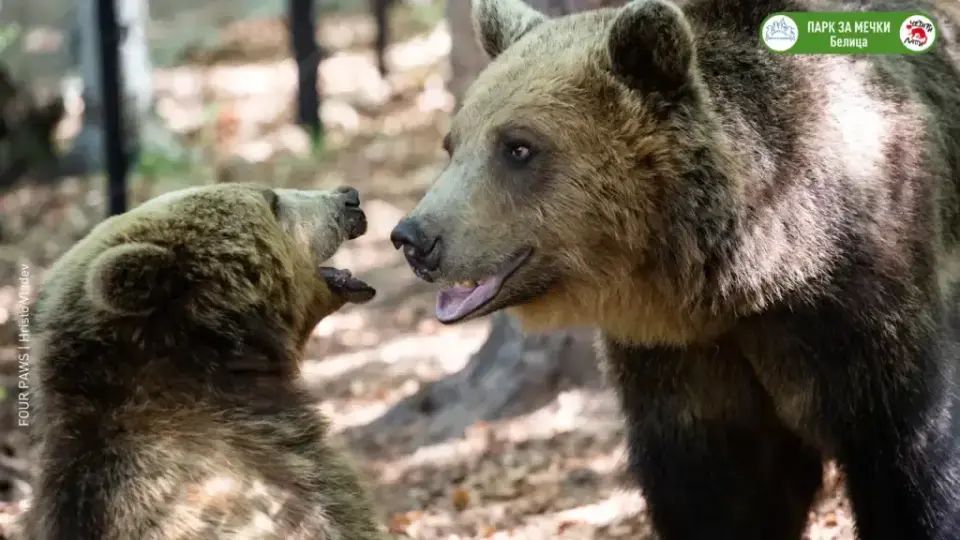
{"x":768,"y":244}
{"x":165,"y":373}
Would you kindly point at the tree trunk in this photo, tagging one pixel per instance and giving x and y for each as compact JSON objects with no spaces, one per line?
{"x":513,"y":373}
{"x":145,"y":131}
{"x":306,"y":51}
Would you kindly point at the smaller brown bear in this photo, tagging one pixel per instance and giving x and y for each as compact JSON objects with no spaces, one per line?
{"x":167,"y":397}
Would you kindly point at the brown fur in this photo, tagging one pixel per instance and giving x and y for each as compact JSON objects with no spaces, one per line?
{"x":168,"y":403}
{"x":641,"y":298}
{"x":768,"y":243}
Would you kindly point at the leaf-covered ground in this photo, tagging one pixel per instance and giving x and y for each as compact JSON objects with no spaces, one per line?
{"x":555,"y":472}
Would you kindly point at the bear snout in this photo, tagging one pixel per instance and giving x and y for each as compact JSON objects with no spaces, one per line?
{"x":353,"y":219}
{"x":422,"y":250}
{"x":351,"y":197}
{"x":354,"y":222}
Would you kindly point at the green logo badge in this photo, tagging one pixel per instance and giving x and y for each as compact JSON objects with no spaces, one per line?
{"x":848,"y":32}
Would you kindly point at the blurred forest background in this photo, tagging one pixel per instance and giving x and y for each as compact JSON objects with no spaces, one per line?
{"x":471,"y":431}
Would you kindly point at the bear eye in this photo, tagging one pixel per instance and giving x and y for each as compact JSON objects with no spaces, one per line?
{"x":518,"y":152}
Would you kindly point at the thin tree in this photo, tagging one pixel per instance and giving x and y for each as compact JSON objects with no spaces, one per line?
{"x":142,"y":128}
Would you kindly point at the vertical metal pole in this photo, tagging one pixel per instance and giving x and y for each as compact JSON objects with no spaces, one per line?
{"x":112,"y":111}
{"x":307,"y":54}
{"x":381,"y":14}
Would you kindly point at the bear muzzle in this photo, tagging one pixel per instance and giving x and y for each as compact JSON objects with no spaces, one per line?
{"x":354,"y":219}
{"x":421,"y":249}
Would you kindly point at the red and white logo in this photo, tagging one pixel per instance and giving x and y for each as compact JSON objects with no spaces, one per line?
{"x":917,"y":33}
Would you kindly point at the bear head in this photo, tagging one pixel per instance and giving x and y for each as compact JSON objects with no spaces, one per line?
{"x":202,"y":263}
{"x":585,"y":183}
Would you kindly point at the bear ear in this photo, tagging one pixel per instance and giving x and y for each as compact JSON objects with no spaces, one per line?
{"x":132,"y":279}
{"x":500,"y":23}
{"x":650,"y":45}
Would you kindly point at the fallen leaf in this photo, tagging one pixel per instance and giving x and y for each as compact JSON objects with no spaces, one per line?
{"x":564,"y":525}
{"x":461,"y":498}
{"x":399,"y":522}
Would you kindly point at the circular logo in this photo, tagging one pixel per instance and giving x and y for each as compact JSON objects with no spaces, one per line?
{"x":779,"y":33}
{"x":917,"y":33}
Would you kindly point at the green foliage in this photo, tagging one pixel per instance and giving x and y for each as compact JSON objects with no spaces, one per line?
{"x":427,"y":15}
{"x":159,"y":164}
{"x":161,"y":155}
{"x":8,"y":34}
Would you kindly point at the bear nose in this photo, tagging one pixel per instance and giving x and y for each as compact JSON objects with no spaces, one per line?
{"x":419,"y":248}
{"x":351,"y":197}
{"x":352,"y":216}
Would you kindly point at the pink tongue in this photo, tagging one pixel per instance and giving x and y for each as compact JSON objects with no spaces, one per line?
{"x":457,"y":302}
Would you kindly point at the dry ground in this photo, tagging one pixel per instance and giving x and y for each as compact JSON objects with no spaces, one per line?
{"x":554,"y":473}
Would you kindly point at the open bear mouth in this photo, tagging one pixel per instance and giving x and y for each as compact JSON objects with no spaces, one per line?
{"x":343,"y":282}
{"x":462,"y":299}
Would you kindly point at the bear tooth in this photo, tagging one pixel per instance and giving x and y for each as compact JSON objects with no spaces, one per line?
{"x":469,"y":284}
